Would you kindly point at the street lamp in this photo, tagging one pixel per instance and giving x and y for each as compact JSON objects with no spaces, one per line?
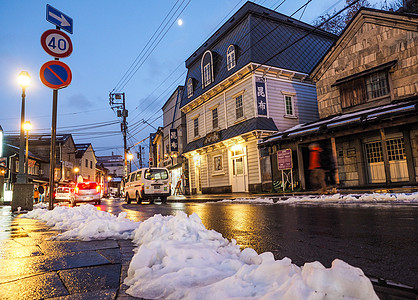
{"x":76,"y":170}
{"x":24,"y":81}
{"x":130,"y":158}
{"x":27,"y":126}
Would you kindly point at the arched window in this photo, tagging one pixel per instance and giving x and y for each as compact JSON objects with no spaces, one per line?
{"x":230,"y":57}
{"x":207,"y":69}
{"x":189,"y":87}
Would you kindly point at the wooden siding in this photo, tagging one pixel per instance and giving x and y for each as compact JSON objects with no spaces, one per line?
{"x":253,"y":162}
{"x":204,"y":112}
{"x":218,"y":178}
{"x":304,"y":97}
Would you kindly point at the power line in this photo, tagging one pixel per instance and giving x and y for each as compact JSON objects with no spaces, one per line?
{"x":279,"y":52}
{"x":131,"y":66}
{"x":264,"y":36}
{"x":141,"y":61}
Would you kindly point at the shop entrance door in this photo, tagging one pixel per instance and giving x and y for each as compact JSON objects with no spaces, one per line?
{"x":238,"y":170}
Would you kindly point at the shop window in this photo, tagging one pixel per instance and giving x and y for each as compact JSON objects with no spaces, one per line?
{"x":374,"y":152}
{"x":217,"y":163}
{"x":396,"y":149}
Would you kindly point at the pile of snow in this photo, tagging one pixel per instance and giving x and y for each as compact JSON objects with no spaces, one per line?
{"x":178,"y":258}
{"x":336,"y":198}
{"x":85,"y":223}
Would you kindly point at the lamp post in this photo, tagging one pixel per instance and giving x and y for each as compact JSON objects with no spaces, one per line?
{"x":76,"y":170}
{"x":24,"y":81}
{"x":130,"y":158}
{"x":22,"y":191}
{"x":27,"y":126}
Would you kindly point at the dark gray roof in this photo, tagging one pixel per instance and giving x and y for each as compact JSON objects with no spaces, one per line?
{"x":81,"y":149}
{"x":258,"y":34}
{"x":236,"y":130}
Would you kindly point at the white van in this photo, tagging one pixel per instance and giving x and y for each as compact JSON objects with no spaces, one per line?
{"x":148,"y":184}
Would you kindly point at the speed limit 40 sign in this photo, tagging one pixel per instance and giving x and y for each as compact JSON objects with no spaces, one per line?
{"x":56,"y":43}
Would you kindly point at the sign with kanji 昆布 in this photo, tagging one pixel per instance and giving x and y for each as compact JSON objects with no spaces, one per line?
{"x":174,"y":141}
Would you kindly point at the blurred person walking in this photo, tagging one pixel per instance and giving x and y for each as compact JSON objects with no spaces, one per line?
{"x":317,"y":172}
{"x":36,"y":195}
{"x":329,"y":165}
{"x":41,"y":192}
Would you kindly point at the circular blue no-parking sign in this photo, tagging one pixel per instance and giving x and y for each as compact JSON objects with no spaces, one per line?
{"x":55,"y":74}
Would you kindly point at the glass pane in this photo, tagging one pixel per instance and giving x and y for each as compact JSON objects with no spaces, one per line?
{"x":156,"y":174}
{"x":238,"y":167}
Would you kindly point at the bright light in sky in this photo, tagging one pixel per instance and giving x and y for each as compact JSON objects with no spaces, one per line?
{"x":179,"y":22}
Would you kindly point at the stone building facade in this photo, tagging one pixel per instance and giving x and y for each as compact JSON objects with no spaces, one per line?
{"x":367,"y":101}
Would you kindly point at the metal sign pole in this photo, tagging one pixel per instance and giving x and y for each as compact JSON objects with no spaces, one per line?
{"x":52,"y":155}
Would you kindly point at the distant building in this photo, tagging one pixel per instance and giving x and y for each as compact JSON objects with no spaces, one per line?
{"x":114,"y":164}
{"x":40,"y":147}
{"x":86,"y":161}
{"x":169,"y":141}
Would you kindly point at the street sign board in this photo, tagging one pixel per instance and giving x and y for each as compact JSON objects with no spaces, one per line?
{"x":59,"y":19}
{"x":284,"y":159}
{"x":56,"y":43}
{"x":55,"y":74}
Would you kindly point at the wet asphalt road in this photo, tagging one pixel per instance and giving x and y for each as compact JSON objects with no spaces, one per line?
{"x":381,"y":239}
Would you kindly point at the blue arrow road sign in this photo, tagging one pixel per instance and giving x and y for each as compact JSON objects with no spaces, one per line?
{"x":59,"y":19}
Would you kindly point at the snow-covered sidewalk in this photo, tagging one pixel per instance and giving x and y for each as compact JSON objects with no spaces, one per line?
{"x":178,"y":258}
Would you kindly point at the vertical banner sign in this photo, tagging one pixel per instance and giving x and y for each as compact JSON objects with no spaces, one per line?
{"x":261,"y":99}
{"x":174,"y":142}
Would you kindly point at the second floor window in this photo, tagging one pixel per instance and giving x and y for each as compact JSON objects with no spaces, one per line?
{"x":239,"y":109}
{"x":196,"y":127}
{"x":91,"y":165}
{"x":207,"y":69}
{"x":230,"y":57}
{"x":288,"y":101}
{"x":364,"y":89}
{"x":189,"y":87}
{"x":87,"y":163}
{"x":207,"y":75}
{"x":215,"y":118}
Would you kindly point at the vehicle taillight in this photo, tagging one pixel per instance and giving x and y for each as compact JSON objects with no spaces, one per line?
{"x":55,"y":195}
{"x":76,"y":190}
{"x":98,"y":188}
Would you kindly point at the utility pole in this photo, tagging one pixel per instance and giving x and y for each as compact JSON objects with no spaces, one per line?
{"x":117,"y":102}
{"x":140,"y":157}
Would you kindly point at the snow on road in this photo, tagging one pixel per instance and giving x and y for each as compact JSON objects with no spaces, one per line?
{"x":178,"y":258}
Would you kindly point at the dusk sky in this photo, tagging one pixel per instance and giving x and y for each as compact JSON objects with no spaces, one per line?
{"x":108,"y":36}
